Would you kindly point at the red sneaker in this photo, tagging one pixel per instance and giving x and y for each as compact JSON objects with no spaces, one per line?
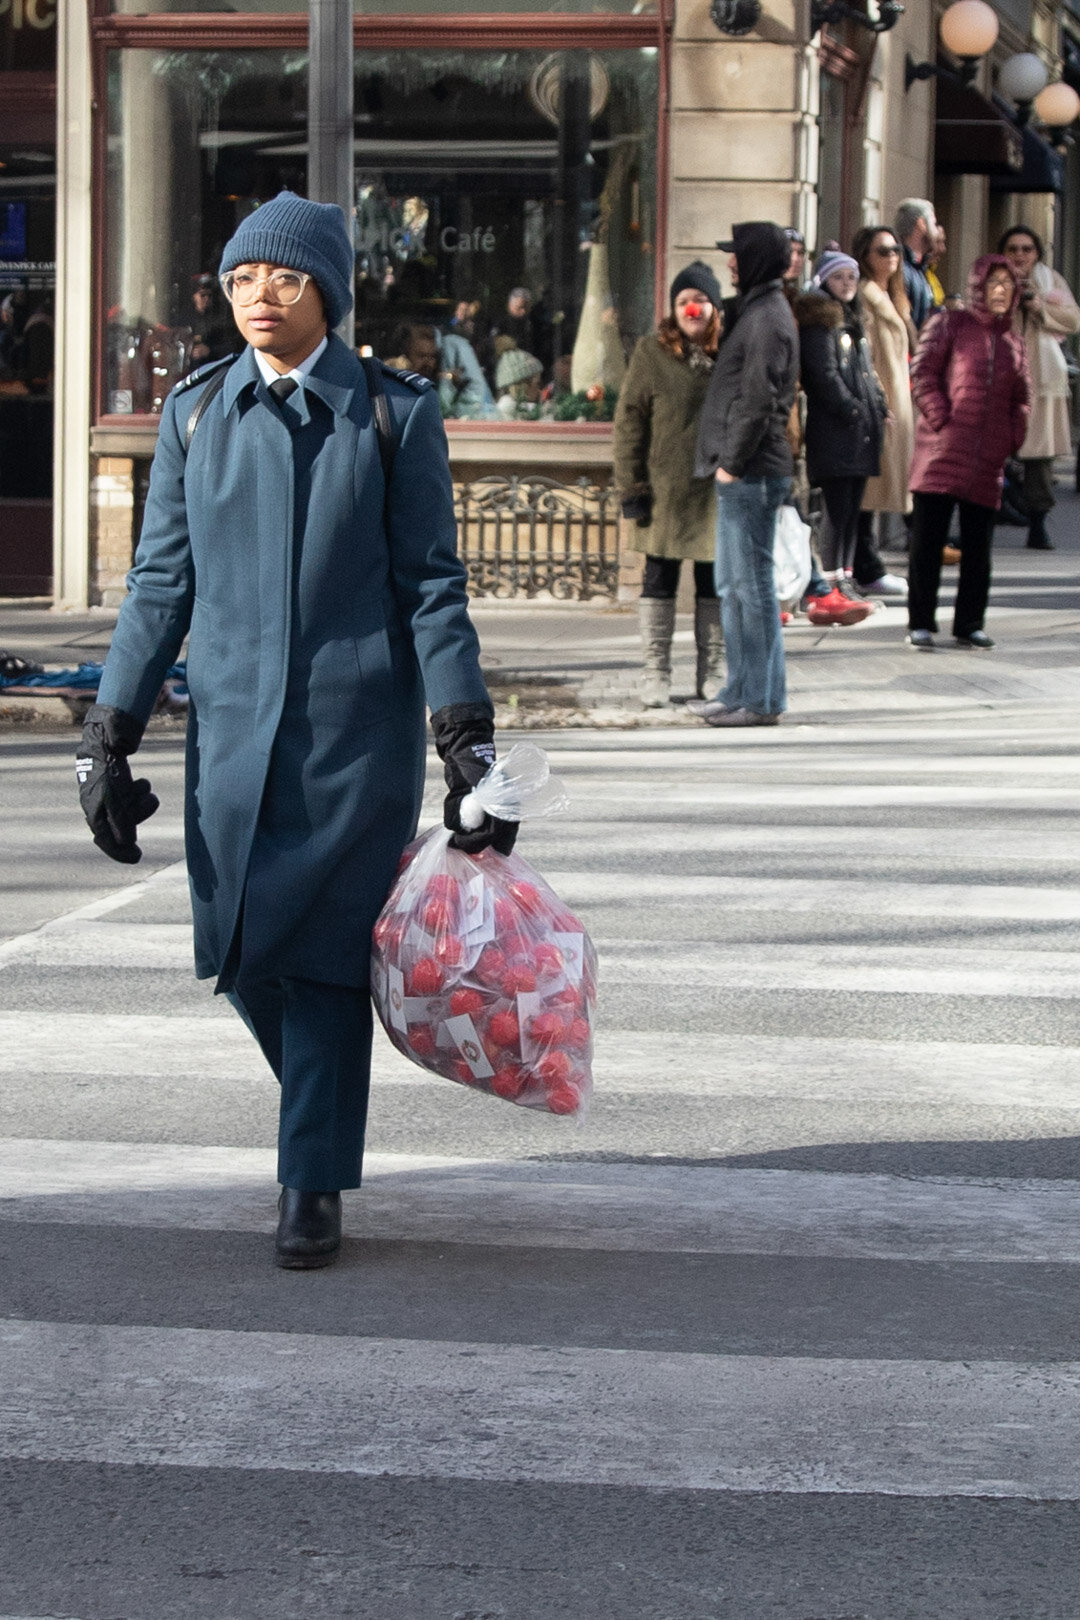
{"x":836,"y":608}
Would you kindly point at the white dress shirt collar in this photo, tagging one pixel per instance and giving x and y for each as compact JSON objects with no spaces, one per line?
{"x":298,"y":373}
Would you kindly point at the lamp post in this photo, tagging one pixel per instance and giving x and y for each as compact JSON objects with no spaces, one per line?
{"x":968,"y":29}
{"x":1020,"y":80}
{"x":1057,"y":107}
{"x":330,"y":113}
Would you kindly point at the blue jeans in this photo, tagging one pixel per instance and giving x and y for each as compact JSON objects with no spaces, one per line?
{"x":745,"y":526}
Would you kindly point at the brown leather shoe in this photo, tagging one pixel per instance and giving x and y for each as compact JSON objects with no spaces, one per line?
{"x":309,"y":1228}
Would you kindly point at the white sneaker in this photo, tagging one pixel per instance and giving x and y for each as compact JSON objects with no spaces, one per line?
{"x":887,"y":585}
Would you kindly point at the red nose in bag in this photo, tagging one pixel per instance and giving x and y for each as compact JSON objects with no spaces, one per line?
{"x":480,"y":973}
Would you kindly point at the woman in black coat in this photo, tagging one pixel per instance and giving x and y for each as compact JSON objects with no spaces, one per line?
{"x":845,"y":411}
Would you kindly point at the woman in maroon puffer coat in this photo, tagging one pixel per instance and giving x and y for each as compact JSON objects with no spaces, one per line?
{"x":971,"y":385}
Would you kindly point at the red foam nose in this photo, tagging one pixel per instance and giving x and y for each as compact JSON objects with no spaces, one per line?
{"x":692,"y":311}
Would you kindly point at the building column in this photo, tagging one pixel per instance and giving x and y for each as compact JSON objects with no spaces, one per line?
{"x":739,"y":138}
{"x":72,"y":386}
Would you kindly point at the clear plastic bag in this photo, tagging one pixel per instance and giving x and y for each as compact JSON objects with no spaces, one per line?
{"x":478,"y":971}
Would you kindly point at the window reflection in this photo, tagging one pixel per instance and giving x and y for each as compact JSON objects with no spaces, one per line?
{"x":505,"y":215}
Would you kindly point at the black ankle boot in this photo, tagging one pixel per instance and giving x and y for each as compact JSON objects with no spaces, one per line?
{"x":309,"y":1228}
{"x":1038,"y":539}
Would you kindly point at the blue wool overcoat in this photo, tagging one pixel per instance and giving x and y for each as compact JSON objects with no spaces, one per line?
{"x":323,"y":610}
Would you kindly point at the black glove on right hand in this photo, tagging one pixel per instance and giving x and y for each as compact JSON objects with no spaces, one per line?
{"x":638,"y":508}
{"x":112,"y":803}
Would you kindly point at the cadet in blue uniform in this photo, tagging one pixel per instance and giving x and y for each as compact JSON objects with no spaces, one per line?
{"x":326,"y":603}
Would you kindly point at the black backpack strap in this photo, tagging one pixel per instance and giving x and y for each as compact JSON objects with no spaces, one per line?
{"x":214,"y":386}
{"x":380,"y":410}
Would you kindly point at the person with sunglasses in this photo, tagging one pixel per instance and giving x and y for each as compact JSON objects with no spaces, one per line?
{"x":326,"y":605}
{"x":891,"y":336}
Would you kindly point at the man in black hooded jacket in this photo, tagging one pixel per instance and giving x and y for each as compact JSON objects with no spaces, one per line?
{"x":742,"y":443}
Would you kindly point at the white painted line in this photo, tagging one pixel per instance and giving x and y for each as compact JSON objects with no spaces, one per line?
{"x":943,"y":970}
{"x":934,"y":901}
{"x":879,"y":846}
{"x":128,"y":1044}
{"x":952,"y":768}
{"x":168,"y":877}
{"x":726,"y":793}
{"x":827,"y":1068}
{"x":436,"y":1409}
{"x":77,"y":942}
{"x":112,"y":945}
{"x":646,"y":1208}
{"x":153,"y":1047}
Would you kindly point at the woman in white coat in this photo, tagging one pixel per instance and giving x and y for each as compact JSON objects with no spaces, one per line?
{"x":1048,"y":313}
{"x":891,"y":336}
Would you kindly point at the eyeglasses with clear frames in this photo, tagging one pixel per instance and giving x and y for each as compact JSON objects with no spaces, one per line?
{"x":283,"y":286}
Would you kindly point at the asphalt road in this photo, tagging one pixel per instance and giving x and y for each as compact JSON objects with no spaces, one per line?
{"x":788,"y":1328}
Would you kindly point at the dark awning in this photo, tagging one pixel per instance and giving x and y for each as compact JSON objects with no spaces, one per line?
{"x":971,"y":136}
{"x":1043,"y":168}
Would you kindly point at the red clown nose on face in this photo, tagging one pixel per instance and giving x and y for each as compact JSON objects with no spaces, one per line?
{"x":693,"y":311}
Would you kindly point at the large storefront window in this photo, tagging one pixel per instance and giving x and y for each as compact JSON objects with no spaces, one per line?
{"x":505,"y":200}
{"x":385,"y":8}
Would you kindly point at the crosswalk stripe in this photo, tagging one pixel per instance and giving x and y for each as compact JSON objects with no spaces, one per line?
{"x":217,"y":1399}
{"x":946,"y":969}
{"x":132,"y":944}
{"x":627,"y":1062}
{"x":961,"y":764}
{"x":890,"y":969}
{"x":644,"y":1208}
{"x":1006,"y":841}
{"x":736,"y":793}
{"x":947,"y":900}
{"x":172,"y":877}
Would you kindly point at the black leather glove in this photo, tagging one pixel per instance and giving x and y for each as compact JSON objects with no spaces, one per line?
{"x":465,"y":740}
{"x":111,"y":802}
{"x":639,"y":508}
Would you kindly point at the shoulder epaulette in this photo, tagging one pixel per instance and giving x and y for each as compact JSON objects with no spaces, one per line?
{"x":411,"y":379}
{"x":203,"y":374}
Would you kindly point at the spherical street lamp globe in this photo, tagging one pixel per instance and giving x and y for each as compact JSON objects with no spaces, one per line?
{"x":1022,"y":77}
{"x":969,"y":28}
{"x":1057,"y":106}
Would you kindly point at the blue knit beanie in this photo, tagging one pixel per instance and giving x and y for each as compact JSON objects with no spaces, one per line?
{"x":300,"y":235}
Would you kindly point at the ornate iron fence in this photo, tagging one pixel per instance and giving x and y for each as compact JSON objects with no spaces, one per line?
{"x":521,"y":536}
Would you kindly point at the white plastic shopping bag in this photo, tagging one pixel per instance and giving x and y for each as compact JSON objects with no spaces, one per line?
{"x":791,"y":556}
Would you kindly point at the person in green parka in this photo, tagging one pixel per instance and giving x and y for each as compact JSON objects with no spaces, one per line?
{"x":656,"y":423}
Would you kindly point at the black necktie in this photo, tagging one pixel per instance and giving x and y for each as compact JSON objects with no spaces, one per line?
{"x":282,"y":388}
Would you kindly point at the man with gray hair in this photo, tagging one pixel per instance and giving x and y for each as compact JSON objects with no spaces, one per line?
{"x":915,"y":225}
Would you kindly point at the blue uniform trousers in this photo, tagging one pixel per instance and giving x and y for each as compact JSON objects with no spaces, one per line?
{"x":317,"y":1039}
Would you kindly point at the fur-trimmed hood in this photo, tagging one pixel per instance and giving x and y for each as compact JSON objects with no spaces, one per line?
{"x":818,"y":309}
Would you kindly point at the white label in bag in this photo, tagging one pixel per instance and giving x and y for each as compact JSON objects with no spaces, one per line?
{"x":528,"y":1005}
{"x":468,"y":1044}
{"x":396,"y":998}
{"x":472,"y":903}
{"x":573,"y":950}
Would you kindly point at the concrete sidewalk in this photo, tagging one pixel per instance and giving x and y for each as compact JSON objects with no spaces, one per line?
{"x":553,"y":664}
